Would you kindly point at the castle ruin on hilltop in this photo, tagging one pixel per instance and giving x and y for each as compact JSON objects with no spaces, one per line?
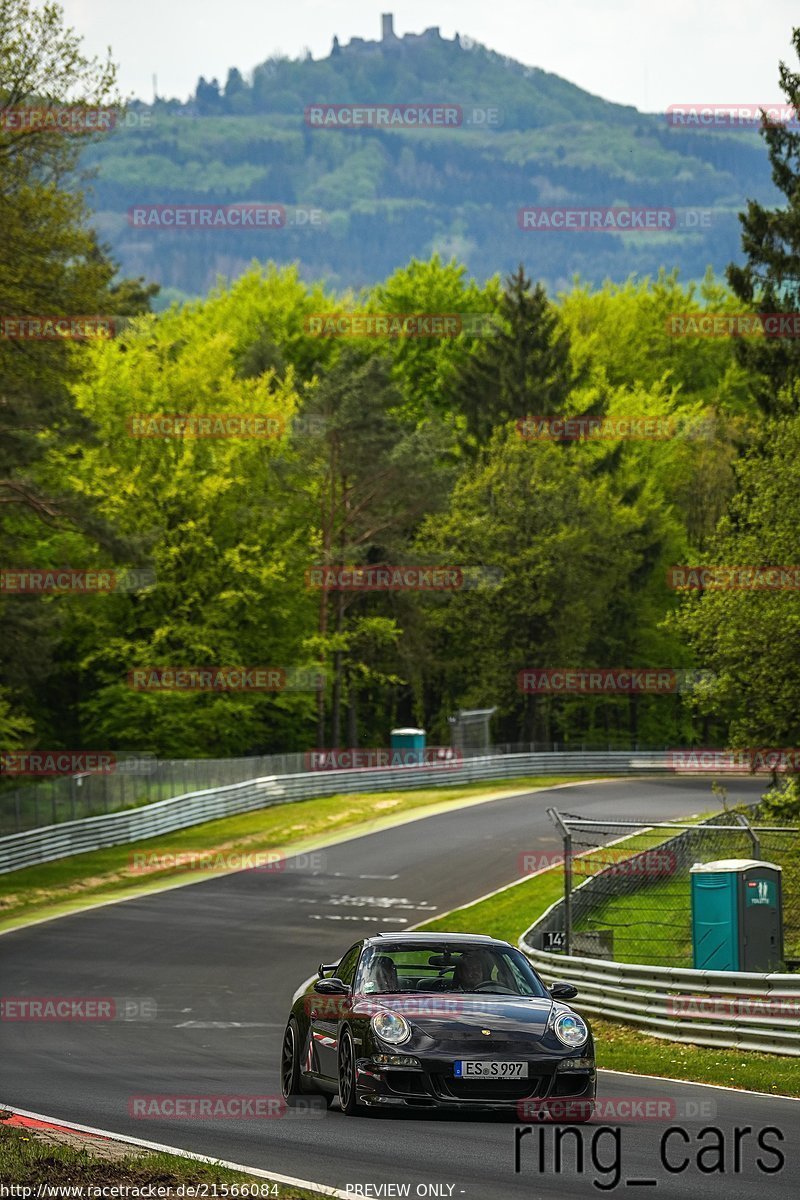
{"x":390,"y":41}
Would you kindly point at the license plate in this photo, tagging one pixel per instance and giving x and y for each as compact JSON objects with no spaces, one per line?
{"x":471,"y":1068}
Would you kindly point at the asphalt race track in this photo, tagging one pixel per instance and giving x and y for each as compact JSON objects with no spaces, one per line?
{"x":222,"y":958}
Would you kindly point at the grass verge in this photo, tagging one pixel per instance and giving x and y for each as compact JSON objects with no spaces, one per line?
{"x":34,"y":1157}
{"x":623,"y":1047}
{"x":662,"y":913}
{"x":82,"y":880}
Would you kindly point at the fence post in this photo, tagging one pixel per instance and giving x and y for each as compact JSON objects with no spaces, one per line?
{"x":555,"y":817}
{"x":754,"y":838}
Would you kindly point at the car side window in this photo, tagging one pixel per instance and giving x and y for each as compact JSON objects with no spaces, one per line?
{"x":346,"y":970}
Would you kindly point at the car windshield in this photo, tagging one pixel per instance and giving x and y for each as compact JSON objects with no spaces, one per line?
{"x":473,"y":968}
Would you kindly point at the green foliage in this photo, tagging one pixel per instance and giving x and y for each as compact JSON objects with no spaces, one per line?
{"x":770,"y":277}
{"x":750,"y":639}
{"x":781,"y":803}
{"x":566,"y":546}
{"x":51,"y":265}
{"x":398,"y":450}
{"x":522,"y":366}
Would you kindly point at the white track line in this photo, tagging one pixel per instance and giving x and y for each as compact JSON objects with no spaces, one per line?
{"x":160,"y":1148}
{"x":720,"y":1087}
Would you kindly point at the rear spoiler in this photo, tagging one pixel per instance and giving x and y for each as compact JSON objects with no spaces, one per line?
{"x":323,"y":967}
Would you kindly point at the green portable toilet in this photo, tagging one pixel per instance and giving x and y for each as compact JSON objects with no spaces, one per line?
{"x":737,"y":915}
{"x":408,"y":747}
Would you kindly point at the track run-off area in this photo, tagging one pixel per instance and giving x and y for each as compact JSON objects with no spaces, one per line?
{"x":213,"y":967}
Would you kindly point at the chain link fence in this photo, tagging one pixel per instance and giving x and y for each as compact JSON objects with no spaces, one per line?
{"x":143,"y":779}
{"x":630,"y":891}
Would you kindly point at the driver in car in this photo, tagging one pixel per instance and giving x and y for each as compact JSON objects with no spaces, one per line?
{"x":471,"y":971}
{"x":382,"y":976}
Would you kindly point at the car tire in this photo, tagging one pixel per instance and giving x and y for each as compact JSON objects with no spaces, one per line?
{"x":291,"y":1084}
{"x":348,"y":1094}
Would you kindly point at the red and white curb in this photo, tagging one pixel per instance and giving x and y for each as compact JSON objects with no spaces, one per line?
{"x":24,"y":1119}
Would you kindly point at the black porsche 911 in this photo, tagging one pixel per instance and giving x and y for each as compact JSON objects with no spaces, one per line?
{"x":444,"y":1020}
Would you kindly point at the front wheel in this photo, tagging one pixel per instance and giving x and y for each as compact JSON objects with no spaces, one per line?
{"x":290,"y":1063}
{"x":348,"y":1097}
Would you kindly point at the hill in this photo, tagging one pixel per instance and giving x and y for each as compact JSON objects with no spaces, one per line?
{"x":371,"y":197}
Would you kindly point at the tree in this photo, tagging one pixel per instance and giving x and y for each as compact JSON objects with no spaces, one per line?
{"x":572,"y":556}
{"x":522,"y":367}
{"x":750,"y":639}
{"x":50,"y":265}
{"x":422,"y":366}
{"x":234,"y":84}
{"x":373,"y":476}
{"x":207,"y":95}
{"x":227,"y":545}
{"x":770,"y":277}
{"x":50,"y":262}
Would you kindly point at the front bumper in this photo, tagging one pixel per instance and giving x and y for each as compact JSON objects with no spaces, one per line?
{"x":434,"y":1085}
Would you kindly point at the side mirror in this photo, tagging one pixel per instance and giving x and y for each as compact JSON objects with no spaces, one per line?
{"x":562,"y":991}
{"x":331,"y":987}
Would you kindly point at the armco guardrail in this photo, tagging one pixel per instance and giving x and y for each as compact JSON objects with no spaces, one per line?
{"x":706,"y":1008}
{"x":151,"y":820}
{"x":141,"y":778}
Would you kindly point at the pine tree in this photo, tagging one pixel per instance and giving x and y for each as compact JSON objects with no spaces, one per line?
{"x":521,"y":368}
{"x":771,"y":241}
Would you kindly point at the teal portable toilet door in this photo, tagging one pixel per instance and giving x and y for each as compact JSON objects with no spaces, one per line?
{"x":408,"y":747}
{"x":715,"y":927}
{"x":761,"y":918}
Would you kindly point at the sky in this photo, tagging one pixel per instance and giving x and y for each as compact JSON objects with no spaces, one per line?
{"x":641,"y":52}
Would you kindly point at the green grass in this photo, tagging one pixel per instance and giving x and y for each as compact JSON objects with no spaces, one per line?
{"x":513,"y":910}
{"x":26,"y":1159}
{"x":622,"y":1047}
{"x":654,"y":924}
{"x":84,"y":879}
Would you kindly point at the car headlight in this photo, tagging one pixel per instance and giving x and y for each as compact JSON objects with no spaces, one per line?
{"x":391,"y":1027}
{"x":570,"y":1029}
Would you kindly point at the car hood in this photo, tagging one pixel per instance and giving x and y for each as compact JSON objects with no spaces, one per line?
{"x":463,"y":1014}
